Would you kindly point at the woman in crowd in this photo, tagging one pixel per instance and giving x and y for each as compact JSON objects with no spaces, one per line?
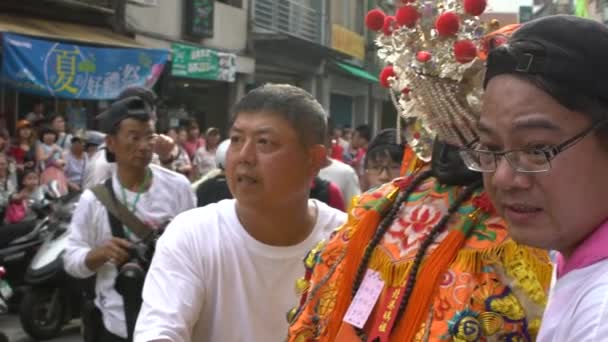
{"x":19,"y":202}
{"x":24,"y":149}
{"x":8,"y":182}
{"x":64,"y":139}
{"x":194,"y":140}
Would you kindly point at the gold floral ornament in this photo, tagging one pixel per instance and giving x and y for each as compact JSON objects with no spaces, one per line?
{"x":434,"y":74}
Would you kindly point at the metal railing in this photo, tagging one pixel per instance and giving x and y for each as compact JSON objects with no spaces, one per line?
{"x":289,"y":17}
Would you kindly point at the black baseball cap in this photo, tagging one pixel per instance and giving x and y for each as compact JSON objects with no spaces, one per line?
{"x":128,"y":108}
{"x":565,"y":49}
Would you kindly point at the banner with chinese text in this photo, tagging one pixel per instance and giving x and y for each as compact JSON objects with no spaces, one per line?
{"x":72,"y":71}
{"x":195,"y":62}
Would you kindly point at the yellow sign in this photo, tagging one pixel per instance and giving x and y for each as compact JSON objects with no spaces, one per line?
{"x":348,"y":42}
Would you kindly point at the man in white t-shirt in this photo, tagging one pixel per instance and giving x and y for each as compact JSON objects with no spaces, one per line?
{"x":153,"y":194}
{"x":344,"y":176}
{"x":225,"y":272}
{"x":543,"y":148}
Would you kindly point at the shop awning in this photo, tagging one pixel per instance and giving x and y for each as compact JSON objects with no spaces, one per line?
{"x":63,"y":31}
{"x":357,"y":72}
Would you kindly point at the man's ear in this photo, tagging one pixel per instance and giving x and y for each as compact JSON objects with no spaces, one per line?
{"x":318,"y":157}
{"x":110,"y":141}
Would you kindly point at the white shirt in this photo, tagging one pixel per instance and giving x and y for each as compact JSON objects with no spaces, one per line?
{"x":344,"y":177}
{"x":212,"y":281}
{"x":168,"y":195}
{"x":578,"y":307}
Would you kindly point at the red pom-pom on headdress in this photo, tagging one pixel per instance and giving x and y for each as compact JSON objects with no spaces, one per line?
{"x":447,"y":24}
{"x":374,"y":20}
{"x":387,"y":72}
{"x":407,"y":16}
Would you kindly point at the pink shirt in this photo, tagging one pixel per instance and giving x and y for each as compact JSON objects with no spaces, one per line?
{"x":192,"y":146}
{"x":590,"y":251}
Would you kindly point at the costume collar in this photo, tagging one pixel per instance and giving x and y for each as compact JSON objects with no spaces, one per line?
{"x":590,"y":251}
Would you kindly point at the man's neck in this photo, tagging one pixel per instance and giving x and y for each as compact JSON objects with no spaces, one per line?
{"x":132,"y":179}
{"x":288,"y":226}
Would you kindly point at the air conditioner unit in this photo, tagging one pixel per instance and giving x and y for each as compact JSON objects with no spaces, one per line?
{"x":146,"y":3}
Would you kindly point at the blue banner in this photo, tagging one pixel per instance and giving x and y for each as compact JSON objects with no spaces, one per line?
{"x":71,"y":71}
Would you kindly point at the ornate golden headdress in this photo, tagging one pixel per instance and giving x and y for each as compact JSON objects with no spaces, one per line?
{"x":434,"y":73}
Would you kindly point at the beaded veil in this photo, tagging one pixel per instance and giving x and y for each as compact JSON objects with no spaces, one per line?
{"x":434,"y":73}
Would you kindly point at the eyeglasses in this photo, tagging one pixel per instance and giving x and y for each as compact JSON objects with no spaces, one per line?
{"x":377,"y":170}
{"x":529,"y":160}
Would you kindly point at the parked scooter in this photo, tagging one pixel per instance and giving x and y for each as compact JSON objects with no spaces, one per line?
{"x":19,"y":243}
{"x":53,"y":298}
{"x":5,"y":294}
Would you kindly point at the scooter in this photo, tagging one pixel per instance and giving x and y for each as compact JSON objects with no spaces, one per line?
{"x":19,"y":243}
{"x":52,"y":298}
{"x":5,"y":294}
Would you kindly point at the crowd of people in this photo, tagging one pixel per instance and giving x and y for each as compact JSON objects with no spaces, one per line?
{"x":449,"y":241}
{"x":42,"y":150}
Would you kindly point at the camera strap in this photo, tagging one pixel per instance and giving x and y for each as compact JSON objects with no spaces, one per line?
{"x":119,"y":214}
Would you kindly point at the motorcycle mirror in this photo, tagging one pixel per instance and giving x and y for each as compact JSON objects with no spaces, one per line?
{"x":52,"y":190}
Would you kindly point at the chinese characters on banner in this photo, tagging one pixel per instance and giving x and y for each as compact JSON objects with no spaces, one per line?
{"x":73,"y":71}
{"x":195,"y":62}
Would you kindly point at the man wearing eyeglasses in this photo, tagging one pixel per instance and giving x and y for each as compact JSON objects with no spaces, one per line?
{"x":383,"y":159}
{"x":543,"y":151}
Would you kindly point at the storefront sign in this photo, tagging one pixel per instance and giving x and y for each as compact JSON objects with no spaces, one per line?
{"x":195,"y":62}
{"x":198,"y":17}
{"x":347,"y":42}
{"x":71,"y":71}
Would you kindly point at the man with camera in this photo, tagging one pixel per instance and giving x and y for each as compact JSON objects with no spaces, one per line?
{"x":115,"y":225}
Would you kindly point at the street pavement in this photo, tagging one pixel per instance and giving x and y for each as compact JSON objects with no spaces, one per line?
{"x":9,"y":324}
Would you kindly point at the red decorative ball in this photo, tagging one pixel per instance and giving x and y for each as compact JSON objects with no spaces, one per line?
{"x":405,"y":91}
{"x":407,"y":15}
{"x":465,"y":51}
{"x":475,"y":7}
{"x":447,"y":24}
{"x":390,"y":24}
{"x":423,"y":56}
{"x":387,"y":72}
{"x":374,"y":20}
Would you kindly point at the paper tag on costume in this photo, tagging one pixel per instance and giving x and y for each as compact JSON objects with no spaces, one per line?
{"x":365,"y":299}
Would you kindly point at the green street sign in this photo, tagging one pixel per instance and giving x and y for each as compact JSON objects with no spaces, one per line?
{"x":200,"y":63}
{"x":525,"y":13}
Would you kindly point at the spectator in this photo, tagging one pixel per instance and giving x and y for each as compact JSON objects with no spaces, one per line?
{"x":37,"y":114}
{"x":63,"y":139}
{"x":213,"y":187}
{"x":29,"y":188}
{"x":383,"y":159}
{"x":182,"y":163}
{"x":356,"y":155}
{"x":204,"y":158}
{"x":5,"y":140}
{"x":8,"y":182}
{"x":50,"y":159}
{"x":328,"y":193}
{"x":75,"y":163}
{"x":194,"y":141}
{"x":24,"y":149}
{"x":341,"y":175}
{"x":172,"y":133}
